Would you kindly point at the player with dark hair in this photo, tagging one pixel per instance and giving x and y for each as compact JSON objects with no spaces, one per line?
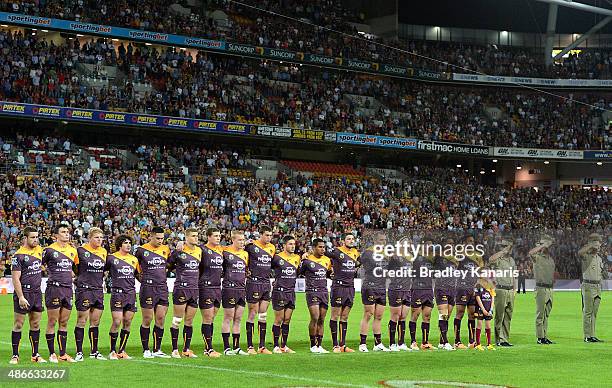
{"x":233,"y":294}
{"x":285,"y":266}
{"x":89,"y":295}
{"x":445,"y":294}
{"x":258,"y":294}
{"x":345,"y":263}
{"x":152,"y":259}
{"x":422,"y":295}
{"x":60,"y":259}
{"x":211,"y":269}
{"x":373,"y":295}
{"x":26,"y":271}
{"x":484,"y":293}
{"x":186,"y":264}
{"x":399,"y":299}
{"x":122,"y":268}
{"x":464,"y":297}
{"x":315,"y":268}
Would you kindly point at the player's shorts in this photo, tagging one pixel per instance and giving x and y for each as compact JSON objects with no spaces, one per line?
{"x":86,"y":299}
{"x":320,"y":298}
{"x":371,"y":296}
{"x":422,"y":298}
{"x":478,"y":314}
{"x":58,"y":296}
{"x":181,"y":296}
{"x":342,"y":296}
{"x":256,"y":292}
{"x":209,"y":298}
{"x":123,"y":301}
{"x":445,"y":296}
{"x":465,"y":297}
{"x":153,"y":296}
{"x":283,"y":300}
{"x":34,"y":298}
{"x":398,"y":298}
{"x":232,"y":297}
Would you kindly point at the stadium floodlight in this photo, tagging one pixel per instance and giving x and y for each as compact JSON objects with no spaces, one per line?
{"x":458,"y":166}
{"x":493,"y":171}
{"x":482,"y":172}
{"x":519,"y":167}
{"x":599,"y":163}
{"x":546,"y":162}
{"x":494,"y":160}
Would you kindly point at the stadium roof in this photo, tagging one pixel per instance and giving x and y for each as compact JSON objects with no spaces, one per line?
{"x":509,"y":15}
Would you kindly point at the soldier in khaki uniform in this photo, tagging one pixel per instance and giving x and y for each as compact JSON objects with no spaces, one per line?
{"x":544,"y":271}
{"x":505,"y":291}
{"x":593,"y":273}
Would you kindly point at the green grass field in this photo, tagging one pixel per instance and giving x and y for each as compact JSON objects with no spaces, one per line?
{"x":568,"y":363}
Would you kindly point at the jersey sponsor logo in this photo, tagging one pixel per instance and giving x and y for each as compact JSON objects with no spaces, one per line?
{"x":35,"y":266}
{"x":157,"y":261}
{"x":217,"y":260}
{"x":239,"y":265}
{"x":350,"y":264}
{"x":96,"y":264}
{"x":64,"y":263}
{"x":265,"y":259}
{"x":191,"y":264}
{"x":320,"y":273}
{"x":288,"y":271}
{"x":126,"y":270}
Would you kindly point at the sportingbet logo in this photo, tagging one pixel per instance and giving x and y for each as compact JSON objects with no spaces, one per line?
{"x":91,"y":28}
{"x":23,"y":19}
{"x":149,"y":36}
{"x":96,"y":264}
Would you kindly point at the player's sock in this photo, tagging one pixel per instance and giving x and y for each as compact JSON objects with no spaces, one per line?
{"x":363,"y":339}
{"x":478,"y":336}
{"x":113,"y":341}
{"x":145,"y":332}
{"x":343,"y":327}
{"x":443,"y":324}
{"x":412,"y":330}
{"x":62,"y":337}
{"x":471,"y":327}
{"x":333,"y":326}
{"x":319,"y":340}
{"x":187,"y":334}
{"x":425,"y":332}
{"x":377,"y":339}
{"x":250,"y":327}
{"x":457,"y":324}
{"x":402,"y":332}
{"x":276,"y":332}
{"x":236,"y":341}
{"x":158,"y":335}
{"x":392,"y":331}
{"x":285,"y":331}
{"x":50,"y":342}
{"x":226,"y":344}
{"x":313,"y":340}
{"x":79,"y":333}
{"x":125,"y":334}
{"x":15,"y":340}
{"x":34,"y":338}
{"x":262,"y":334}
{"x":174,"y":334}
{"x":93,"y":338}
{"x":207,"y":335}
{"x":488,"y":332}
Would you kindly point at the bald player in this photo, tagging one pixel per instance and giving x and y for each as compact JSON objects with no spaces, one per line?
{"x":186,"y":264}
{"x":152,"y":259}
{"x":233,"y":294}
{"x":258,"y":294}
{"x":89,"y":295}
{"x":60,"y":259}
{"x":211,"y":270}
{"x":26,"y":271}
{"x":316,"y":268}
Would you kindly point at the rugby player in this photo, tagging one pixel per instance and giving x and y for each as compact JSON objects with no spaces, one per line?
{"x":152,"y":259}
{"x":399,"y":299}
{"x":345,"y":263}
{"x":211,"y":269}
{"x":285,"y":266}
{"x":233,"y":294}
{"x":26,"y":271}
{"x":464,"y":297}
{"x":122,"y":268}
{"x":60,"y":260}
{"x":186,"y":264}
{"x":445,"y":295}
{"x":89,"y":295}
{"x":373,"y":296}
{"x":260,"y":253}
{"x":422,"y":295}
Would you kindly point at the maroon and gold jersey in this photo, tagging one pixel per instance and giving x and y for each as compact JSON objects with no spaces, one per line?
{"x":469,"y":263}
{"x":486,"y":296}
{"x":122,"y":270}
{"x":345,"y":262}
{"x":234,"y":268}
{"x":211,"y":266}
{"x":29,"y":262}
{"x":187,"y":266}
{"x":285,"y":266}
{"x":59,"y":262}
{"x":90,"y":267}
{"x":153,"y":263}
{"x":315,"y":270}
{"x":260,"y":259}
